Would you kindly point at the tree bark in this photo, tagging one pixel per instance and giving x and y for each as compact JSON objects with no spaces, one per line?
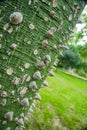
{"x":30,"y":35}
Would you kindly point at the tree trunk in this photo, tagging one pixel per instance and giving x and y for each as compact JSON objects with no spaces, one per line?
{"x":30,"y":35}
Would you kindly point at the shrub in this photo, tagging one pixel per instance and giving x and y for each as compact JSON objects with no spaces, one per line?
{"x":70,"y":59}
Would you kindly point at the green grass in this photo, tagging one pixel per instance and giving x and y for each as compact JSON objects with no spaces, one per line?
{"x":66,"y":99}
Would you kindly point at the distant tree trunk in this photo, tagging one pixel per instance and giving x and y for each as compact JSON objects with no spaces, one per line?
{"x":30,"y":35}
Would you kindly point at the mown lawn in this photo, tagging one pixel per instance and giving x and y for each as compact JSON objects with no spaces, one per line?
{"x":63,"y":105}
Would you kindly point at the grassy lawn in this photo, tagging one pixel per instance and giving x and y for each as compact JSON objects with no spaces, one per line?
{"x":63,"y":105}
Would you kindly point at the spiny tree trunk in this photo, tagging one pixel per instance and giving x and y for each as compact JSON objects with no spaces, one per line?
{"x":30,"y":35}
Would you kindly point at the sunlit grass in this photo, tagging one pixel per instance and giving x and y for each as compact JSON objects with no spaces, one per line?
{"x":66,"y":99}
